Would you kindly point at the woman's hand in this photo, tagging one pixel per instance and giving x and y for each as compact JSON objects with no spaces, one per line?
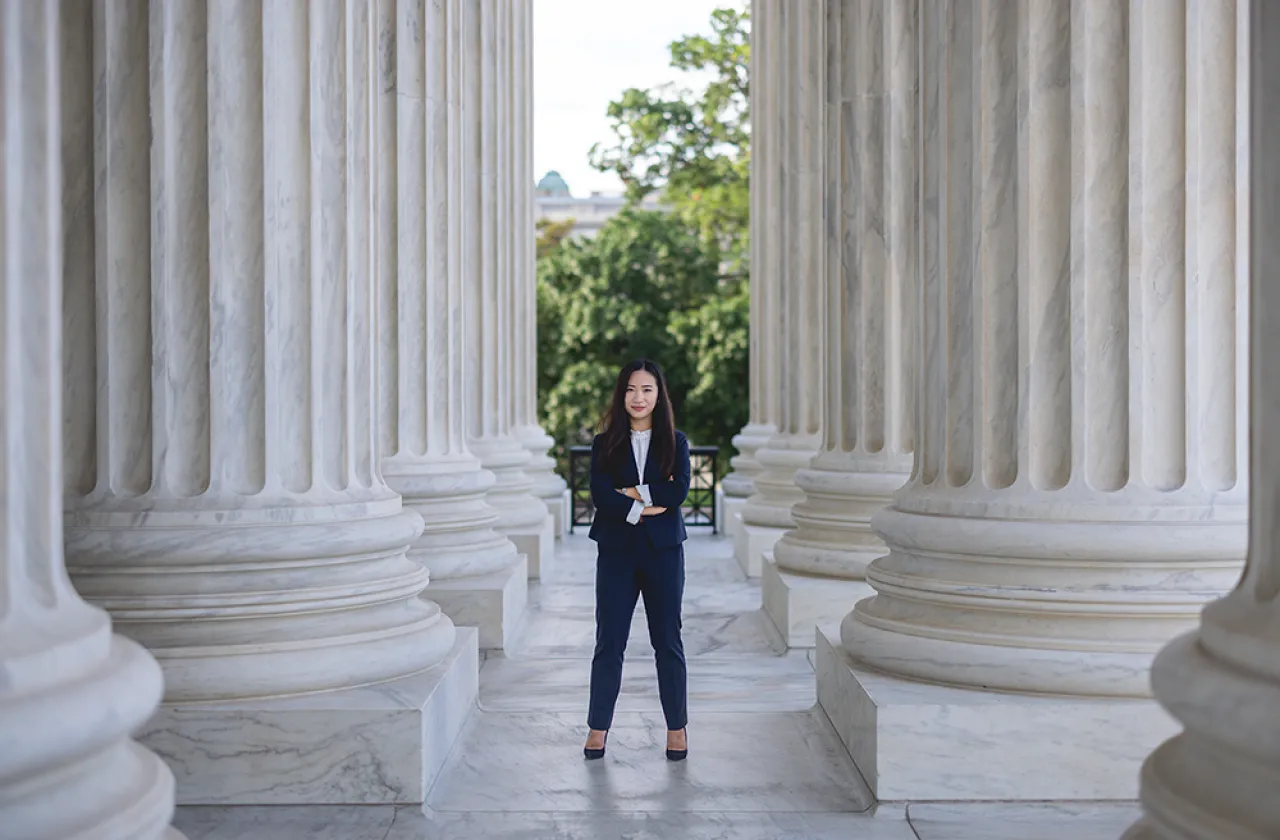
{"x":653,"y":510}
{"x":631,"y":493}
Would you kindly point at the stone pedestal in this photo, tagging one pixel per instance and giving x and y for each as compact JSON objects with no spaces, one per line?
{"x":798,"y":603}
{"x":377,"y":744}
{"x":917,"y":741}
{"x":1078,"y":489}
{"x":1218,"y":778}
{"x":477,"y":575}
{"x":225,"y":497}
{"x":71,"y":692}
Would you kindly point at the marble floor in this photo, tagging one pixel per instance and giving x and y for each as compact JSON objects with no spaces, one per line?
{"x":764,"y":761}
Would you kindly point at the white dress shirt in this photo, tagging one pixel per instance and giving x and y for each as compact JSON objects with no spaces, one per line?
{"x":640,"y":449}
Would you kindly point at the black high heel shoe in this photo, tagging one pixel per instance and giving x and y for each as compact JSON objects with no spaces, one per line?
{"x":591,"y":753}
{"x":679,"y":755}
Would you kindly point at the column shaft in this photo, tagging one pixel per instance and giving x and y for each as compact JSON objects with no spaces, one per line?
{"x":1217,"y":779}
{"x":71,"y":692}
{"x":547,"y":484}
{"x":767,"y":514}
{"x":1079,"y":483}
{"x":225,"y":500}
{"x":766,"y":218}
{"x":870,"y":238}
{"x":489,"y":280}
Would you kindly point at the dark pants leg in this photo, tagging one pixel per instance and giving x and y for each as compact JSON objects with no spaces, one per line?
{"x":662,"y":582}
{"x":617,"y":588}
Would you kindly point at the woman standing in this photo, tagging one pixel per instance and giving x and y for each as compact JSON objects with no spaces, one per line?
{"x":639,"y":480}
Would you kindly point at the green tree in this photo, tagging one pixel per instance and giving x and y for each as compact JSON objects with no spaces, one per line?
{"x":646,"y":285}
{"x":692,"y":145}
{"x":551,"y":234}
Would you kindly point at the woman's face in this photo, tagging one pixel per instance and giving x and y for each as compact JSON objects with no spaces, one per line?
{"x":642,"y":394}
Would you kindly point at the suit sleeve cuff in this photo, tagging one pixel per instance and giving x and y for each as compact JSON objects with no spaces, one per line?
{"x":637,"y":508}
{"x":643,"y":489}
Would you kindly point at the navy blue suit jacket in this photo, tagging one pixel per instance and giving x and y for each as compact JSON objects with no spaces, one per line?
{"x":610,"y":526}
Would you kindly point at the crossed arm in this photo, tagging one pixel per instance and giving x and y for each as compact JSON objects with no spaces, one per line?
{"x":618,"y":503}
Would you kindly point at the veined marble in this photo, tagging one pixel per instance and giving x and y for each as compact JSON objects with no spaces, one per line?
{"x":477,"y":574}
{"x":71,"y":691}
{"x":793,"y":97}
{"x":224,"y":497}
{"x":383,"y":743}
{"x":918,"y":741}
{"x":1218,"y":777}
{"x":1080,"y":474}
{"x":491,"y":363}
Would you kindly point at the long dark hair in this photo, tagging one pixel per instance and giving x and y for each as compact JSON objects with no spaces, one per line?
{"x":615,"y":425}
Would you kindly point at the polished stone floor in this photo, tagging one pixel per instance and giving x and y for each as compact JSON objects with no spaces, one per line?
{"x":764,"y":762}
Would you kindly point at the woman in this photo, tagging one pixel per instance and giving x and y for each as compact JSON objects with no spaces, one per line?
{"x":639,"y":480}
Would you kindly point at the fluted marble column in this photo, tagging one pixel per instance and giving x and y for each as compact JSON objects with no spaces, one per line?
{"x":871,"y":238}
{"x":766,"y":516}
{"x":766,"y":221}
{"x":477,"y":575}
{"x":491,"y":237}
{"x":1217,"y":780}
{"x":1079,"y":483}
{"x":224,"y":497}
{"x":70,"y":691}
{"x":547,"y":484}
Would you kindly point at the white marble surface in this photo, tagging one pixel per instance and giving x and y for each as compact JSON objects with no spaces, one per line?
{"x":727,"y":683}
{"x":495,"y":604}
{"x":1218,"y":778}
{"x":798,"y":604}
{"x":71,"y":691}
{"x":382,"y":743}
{"x":408,"y":823}
{"x":1076,"y":498}
{"x":918,"y":741}
{"x":1019,"y":821}
{"x":220,"y":311}
{"x":765,"y":761}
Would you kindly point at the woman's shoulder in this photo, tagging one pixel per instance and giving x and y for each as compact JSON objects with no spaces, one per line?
{"x":680,"y":437}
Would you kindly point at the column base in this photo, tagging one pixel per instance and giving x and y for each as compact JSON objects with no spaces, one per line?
{"x":751,"y":543}
{"x":729,"y":512}
{"x":560,"y":507}
{"x":378,"y":744}
{"x":494,"y":604}
{"x":798,"y":604}
{"x":537,"y":543}
{"x":920,"y":742}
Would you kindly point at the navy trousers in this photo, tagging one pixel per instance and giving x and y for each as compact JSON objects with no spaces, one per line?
{"x":623,"y":574}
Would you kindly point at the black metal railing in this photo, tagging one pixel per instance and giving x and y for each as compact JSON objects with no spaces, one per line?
{"x":699,"y":509}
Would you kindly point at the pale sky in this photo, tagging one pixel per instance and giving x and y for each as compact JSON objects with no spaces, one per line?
{"x":586,"y":52}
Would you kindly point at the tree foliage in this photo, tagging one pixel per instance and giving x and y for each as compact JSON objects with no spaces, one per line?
{"x":644,"y":286}
{"x":668,"y":286}
{"x":694,"y":146}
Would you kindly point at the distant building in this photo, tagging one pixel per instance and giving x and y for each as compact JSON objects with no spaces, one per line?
{"x":554,"y":201}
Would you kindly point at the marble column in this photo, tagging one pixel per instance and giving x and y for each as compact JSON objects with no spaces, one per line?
{"x":800,"y":299}
{"x":766,"y":220}
{"x":1217,"y":779}
{"x":871,"y":238}
{"x":1079,"y":483}
{"x":225,"y":502}
{"x":490,"y":236}
{"x":477,"y":575}
{"x":547,"y":484}
{"x":71,"y":691}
